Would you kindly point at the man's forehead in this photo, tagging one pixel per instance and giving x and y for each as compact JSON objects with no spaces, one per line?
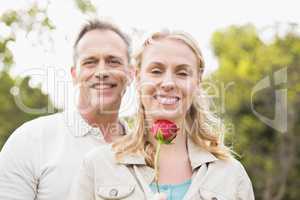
{"x":105,"y":42}
{"x":95,"y":53}
{"x":103,"y":37}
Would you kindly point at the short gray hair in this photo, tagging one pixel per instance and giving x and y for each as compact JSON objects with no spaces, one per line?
{"x":101,"y":25}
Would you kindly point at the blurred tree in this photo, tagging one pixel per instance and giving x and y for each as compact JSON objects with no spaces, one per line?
{"x":85,"y":6}
{"x":269,"y":155}
{"x":32,"y":19}
{"x":13,"y":115}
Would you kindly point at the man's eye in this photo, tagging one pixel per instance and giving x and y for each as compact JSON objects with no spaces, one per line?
{"x":89,"y":62}
{"x":182,"y":73}
{"x":114,"y":61}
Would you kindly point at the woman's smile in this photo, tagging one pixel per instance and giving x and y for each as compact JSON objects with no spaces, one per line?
{"x":167,"y":100}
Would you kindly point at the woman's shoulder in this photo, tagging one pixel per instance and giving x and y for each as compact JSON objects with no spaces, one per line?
{"x":230,"y":163}
{"x":231,"y":167}
{"x":227,"y":179}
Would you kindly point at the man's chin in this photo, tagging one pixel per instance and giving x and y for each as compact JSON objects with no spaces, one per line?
{"x":106,"y":110}
{"x":107,"y":107}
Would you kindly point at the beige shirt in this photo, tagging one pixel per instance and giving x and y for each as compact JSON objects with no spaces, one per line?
{"x":41,"y":158}
{"x":102,"y":177}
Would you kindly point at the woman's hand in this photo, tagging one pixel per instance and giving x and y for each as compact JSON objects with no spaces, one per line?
{"x":159,"y":196}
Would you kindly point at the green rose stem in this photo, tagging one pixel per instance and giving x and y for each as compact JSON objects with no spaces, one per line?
{"x":156,"y":167}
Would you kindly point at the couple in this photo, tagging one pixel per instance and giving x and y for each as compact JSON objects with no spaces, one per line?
{"x":42,"y":157}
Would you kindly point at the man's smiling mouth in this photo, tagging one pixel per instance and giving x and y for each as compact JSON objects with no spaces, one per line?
{"x":103,"y":86}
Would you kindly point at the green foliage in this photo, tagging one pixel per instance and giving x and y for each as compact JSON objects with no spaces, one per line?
{"x":5,"y":54}
{"x":12,"y":115}
{"x":85,"y":6}
{"x":23,"y":19}
{"x":269,"y":156}
{"x":10,"y":17}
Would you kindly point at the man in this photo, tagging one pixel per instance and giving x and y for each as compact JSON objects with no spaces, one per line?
{"x":40,"y":159}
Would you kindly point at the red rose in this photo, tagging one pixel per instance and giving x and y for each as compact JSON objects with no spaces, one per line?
{"x":164,"y":131}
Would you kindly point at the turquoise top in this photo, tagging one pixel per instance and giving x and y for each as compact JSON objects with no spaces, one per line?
{"x":173,"y":191}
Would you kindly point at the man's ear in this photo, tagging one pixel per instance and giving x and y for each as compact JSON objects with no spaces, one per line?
{"x":136,"y":74}
{"x":137,"y":79}
{"x":74,"y":74}
{"x":130,"y":75}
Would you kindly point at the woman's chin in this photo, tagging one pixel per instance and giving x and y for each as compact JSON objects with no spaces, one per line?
{"x":169,"y":115}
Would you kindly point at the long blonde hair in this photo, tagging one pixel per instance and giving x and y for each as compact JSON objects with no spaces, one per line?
{"x":200,"y":123}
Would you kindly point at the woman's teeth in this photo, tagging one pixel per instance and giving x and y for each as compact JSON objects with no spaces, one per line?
{"x":167,"y":100}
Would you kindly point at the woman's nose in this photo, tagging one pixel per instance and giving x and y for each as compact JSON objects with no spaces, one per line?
{"x":168,"y":82}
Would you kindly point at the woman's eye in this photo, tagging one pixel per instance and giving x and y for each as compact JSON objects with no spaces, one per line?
{"x":183,"y":73}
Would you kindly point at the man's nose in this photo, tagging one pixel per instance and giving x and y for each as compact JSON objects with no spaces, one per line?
{"x":101,"y":71}
{"x":167,"y":82}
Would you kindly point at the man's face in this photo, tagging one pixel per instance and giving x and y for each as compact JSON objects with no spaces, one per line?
{"x":101,"y":71}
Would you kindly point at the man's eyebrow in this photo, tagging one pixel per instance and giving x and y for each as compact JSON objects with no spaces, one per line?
{"x":115,"y":57}
{"x":83,"y":59}
{"x":183,"y":66}
{"x":90,"y":58}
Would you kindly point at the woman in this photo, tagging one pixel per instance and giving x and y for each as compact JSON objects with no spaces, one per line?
{"x":197,"y":165}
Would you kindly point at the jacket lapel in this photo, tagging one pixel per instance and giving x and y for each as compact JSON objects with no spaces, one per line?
{"x":144,"y":176}
{"x":197,"y":181}
{"x":199,"y":159}
{"x":143,"y":173}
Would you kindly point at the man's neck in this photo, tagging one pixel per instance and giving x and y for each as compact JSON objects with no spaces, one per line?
{"x":108,"y":124}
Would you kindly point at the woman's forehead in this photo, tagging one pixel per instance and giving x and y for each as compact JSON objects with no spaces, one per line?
{"x":169,"y":50}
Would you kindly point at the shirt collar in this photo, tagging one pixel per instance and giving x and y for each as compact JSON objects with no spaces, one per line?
{"x":80,"y":128}
{"x":132,"y":160}
{"x":197,"y":156}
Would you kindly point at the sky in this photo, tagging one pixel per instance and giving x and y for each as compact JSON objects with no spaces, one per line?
{"x":49,"y":62}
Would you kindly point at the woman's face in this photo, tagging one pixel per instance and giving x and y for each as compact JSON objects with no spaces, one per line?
{"x":167,"y":79}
